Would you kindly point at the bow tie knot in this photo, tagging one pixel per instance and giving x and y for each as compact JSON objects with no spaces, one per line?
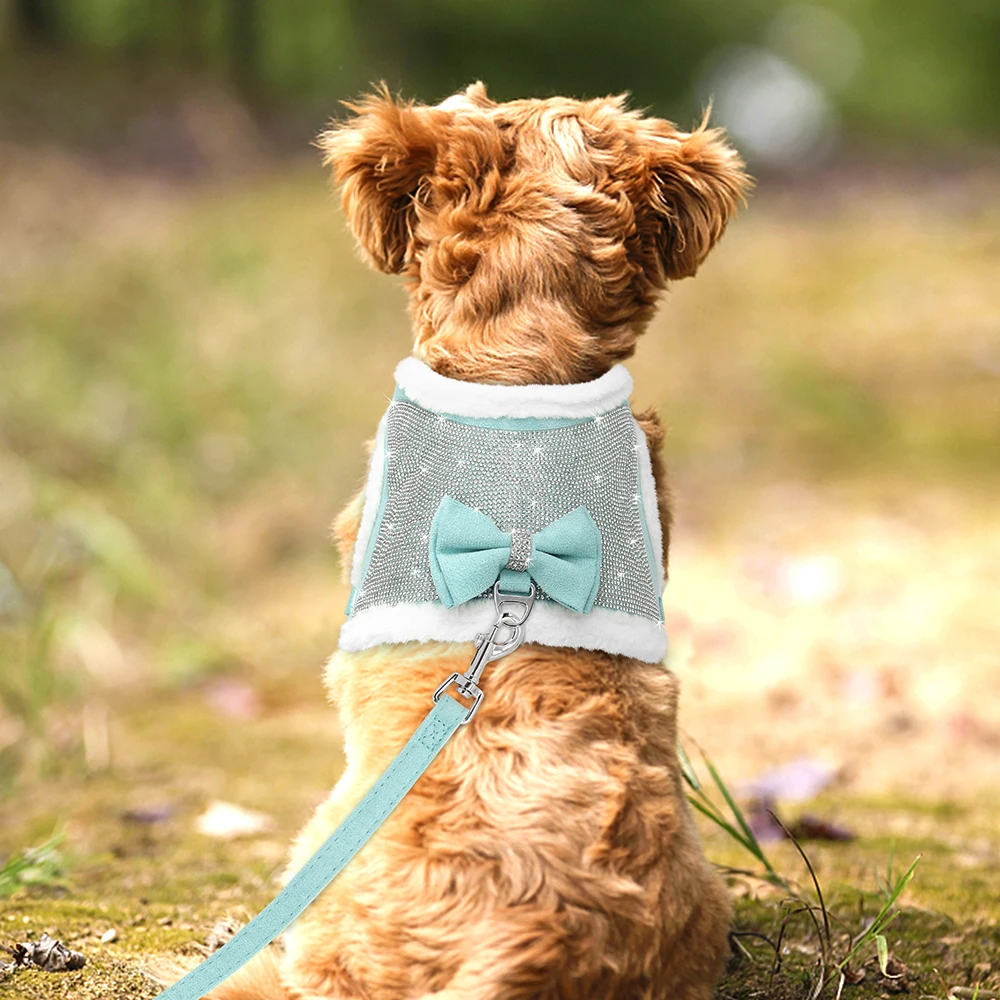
{"x":469,"y":553}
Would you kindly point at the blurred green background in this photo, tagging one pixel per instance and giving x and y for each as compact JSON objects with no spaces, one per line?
{"x":191,"y":357}
{"x":923,"y":72}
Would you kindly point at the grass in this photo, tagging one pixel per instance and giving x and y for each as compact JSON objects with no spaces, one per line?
{"x":837,"y":960}
{"x":187,"y":373}
{"x":735,"y":827}
{"x":41,"y":866}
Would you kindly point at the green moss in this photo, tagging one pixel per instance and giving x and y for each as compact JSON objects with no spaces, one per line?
{"x":104,"y":978}
{"x":939,"y":953}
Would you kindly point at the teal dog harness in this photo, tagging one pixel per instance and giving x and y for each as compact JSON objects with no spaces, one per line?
{"x":495,"y":514}
{"x":545,"y":484}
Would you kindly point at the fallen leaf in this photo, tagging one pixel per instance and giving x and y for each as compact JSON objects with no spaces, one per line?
{"x":809,"y":827}
{"x":46,"y":954}
{"x":759,"y":814}
{"x":149,"y":814}
{"x":226,"y":821}
{"x":796,"y":781}
{"x":896,"y":978}
{"x":233,"y":698}
{"x":853,"y":975}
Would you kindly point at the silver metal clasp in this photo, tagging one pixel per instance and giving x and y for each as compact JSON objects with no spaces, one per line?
{"x":504,"y":636}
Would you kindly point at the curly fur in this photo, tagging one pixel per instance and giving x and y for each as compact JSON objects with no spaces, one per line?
{"x":533,"y":235}
{"x":548,"y":853}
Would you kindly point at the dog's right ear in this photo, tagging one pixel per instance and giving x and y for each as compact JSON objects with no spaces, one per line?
{"x":380,"y":156}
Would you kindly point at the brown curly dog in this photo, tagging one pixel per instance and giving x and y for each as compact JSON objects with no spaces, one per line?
{"x":548,"y":852}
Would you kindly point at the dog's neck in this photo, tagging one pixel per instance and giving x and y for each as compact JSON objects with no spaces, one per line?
{"x":517,"y":370}
{"x":538,"y":346}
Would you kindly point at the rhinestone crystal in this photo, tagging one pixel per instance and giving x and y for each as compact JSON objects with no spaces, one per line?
{"x":523,"y":480}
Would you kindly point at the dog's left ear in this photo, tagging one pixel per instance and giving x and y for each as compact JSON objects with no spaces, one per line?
{"x":696,"y":181}
{"x":380,"y":156}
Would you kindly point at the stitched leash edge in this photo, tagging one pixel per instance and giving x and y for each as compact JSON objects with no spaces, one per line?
{"x":438,"y":726}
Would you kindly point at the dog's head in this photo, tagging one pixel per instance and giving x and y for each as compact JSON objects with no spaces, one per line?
{"x":534,"y":235}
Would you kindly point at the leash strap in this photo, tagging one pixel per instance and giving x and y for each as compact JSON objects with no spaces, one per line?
{"x":363,"y":820}
{"x":505,"y":635}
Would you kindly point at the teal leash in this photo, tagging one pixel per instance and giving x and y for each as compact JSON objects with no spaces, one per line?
{"x":440,"y":723}
{"x":363,"y":820}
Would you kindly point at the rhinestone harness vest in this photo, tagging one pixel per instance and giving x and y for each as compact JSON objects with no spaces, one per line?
{"x":522,"y":457}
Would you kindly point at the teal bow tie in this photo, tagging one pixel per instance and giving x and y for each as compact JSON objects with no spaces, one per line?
{"x":469,"y":553}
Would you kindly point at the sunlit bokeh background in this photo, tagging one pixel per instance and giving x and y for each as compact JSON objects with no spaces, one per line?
{"x":191,"y":358}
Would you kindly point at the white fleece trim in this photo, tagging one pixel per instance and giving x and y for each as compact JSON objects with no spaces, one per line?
{"x":650,"y":507}
{"x":373,"y":496}
{"x":474,"y":399}
{"x":549,"y":624}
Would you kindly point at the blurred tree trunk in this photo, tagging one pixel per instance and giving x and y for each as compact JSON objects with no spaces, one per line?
{"x":244,"y":47}
{"x":389,"y":33}
{"x":35,"y":22}
{"x":191,"y":29}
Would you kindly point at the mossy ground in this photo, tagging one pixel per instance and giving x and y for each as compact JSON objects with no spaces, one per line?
{"x":187,"y":373}
{"x":162,"y":886}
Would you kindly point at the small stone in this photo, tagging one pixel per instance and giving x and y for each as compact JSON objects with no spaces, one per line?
{"x":150,"y":815}
{"x":109,"y":935}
